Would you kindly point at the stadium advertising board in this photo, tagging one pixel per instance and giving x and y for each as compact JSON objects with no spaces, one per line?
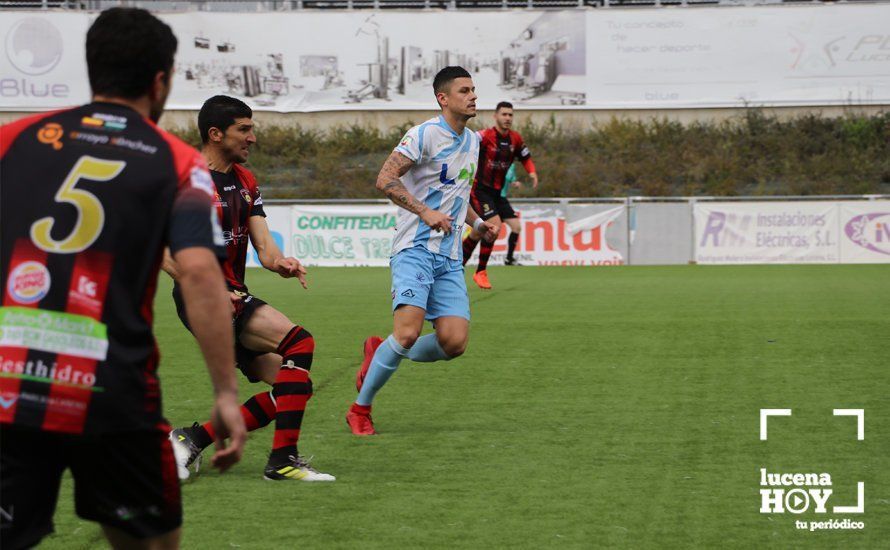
{"x":562,"y":235}
{"x":769,"y":55}
{"x":792,"y":232}
{"x":570,"y":59}
{"x":865,"y":232}
{"x":347,"y":235}
{"x":361,"y":235}
{"x":766,"y":232}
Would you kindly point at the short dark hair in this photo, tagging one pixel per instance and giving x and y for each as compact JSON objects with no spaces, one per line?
{"x":126,"y":47}
{"x":503,"y":105}
{"x":446,"y":76}
{"x":220,"y":111}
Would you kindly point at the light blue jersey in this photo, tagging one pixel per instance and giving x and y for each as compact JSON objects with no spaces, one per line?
{"x":442,"y":175}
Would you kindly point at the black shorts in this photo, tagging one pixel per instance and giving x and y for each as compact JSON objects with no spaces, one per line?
{"x":123,"y":480}
{"x":488,"y":203}
{"x":243,"y":312}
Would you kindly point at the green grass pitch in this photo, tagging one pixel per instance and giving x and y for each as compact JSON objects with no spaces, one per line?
{"x":608,"y":407}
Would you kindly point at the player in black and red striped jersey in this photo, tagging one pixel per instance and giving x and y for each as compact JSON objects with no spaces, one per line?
{"x":90,"y":198}
{"x":268,"y":346}
{"x":499,"y":147}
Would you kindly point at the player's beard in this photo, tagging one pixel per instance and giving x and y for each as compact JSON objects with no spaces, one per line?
{"x":237,"y":156}
{"x":156,"y":109}
{"x":155,"y":112}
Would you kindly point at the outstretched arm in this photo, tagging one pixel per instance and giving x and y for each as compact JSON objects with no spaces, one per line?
{"x":270,"y":255}
{"x":389,"y":182}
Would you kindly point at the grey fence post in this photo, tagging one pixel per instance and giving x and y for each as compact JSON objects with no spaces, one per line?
{"x":628,"y":205}
{"x":692,"y":202}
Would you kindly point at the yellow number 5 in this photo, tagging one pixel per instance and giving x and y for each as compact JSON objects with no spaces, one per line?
{"x":90,"y":214}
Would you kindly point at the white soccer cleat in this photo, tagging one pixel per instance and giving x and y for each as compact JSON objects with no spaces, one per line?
{"x":186,"y":453}
{"x":296,"y":469}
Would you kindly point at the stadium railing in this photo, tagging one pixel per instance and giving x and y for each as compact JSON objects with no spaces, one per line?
{"x":289,"y":5}
{"x":649,"y":230}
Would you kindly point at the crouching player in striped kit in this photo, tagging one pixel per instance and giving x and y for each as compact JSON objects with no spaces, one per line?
{"x":268,"y":346}
{"x":436,"y":162}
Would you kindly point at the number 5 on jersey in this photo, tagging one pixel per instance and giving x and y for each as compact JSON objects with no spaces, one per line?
{"x":90,"y":214}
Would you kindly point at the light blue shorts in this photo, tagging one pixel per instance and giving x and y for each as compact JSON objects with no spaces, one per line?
{"x":429,"y":281}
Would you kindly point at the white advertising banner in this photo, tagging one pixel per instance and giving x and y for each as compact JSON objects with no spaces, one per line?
{"x":546,"y":238}
{"x":342,"y":235}
{"x":733,"y":56}
{"x":865,"y":231}
{"x":316,"y":61}
{"x":571,"y":59}
{"x":361,"y":235}
{"x":766,"y":232}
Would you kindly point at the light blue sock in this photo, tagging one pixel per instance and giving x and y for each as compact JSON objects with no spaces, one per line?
{"x":384,"y":363}
{"x":427,"y":349}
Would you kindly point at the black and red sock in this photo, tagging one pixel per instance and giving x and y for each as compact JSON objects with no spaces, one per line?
{"x":257,"y":411}
{"x":292,"y":390}
{"x":469,"y":246}
{"x":511,"y":244}
{"x":484,"y":253}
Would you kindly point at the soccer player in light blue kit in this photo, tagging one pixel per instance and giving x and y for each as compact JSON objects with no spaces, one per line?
{"x":428,"y":175}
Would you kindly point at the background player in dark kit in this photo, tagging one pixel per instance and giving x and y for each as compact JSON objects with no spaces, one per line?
{"x":499,"y":147}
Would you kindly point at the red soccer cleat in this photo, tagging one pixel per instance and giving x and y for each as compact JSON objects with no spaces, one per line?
{"x":359,"y":420}
{"x":371,"y":345}
{"x":481,"y":279}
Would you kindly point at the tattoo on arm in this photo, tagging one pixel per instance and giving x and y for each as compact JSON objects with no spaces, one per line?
{"x":388,"y":181}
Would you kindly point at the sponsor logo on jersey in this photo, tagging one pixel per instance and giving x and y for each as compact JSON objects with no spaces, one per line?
{"x":88,"y":137}
{"x":8,"y":400}
{"x":238,"y":235}
{"x":51,"y":134}
{"x":465,"y":175}
{"x":104,"y":121}
{"x":133,"y":145}
{"x":29,"y":282}
{"x":85,"y":292}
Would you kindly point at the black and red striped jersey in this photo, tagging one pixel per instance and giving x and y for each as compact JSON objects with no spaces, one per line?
{"x":496,"y":154}
{"x":89,"y":198}
{"x":237,"y":199}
